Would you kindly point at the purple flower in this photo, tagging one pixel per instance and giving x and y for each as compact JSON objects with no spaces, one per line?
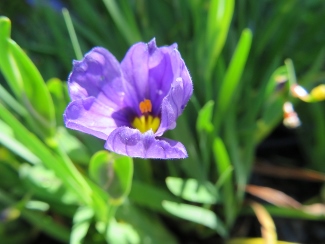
{"x":132,"y":103}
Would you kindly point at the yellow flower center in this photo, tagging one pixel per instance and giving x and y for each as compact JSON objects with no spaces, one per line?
{"x":146,"y":121}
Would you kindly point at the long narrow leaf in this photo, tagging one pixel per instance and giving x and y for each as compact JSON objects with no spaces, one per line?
{"x":130,"y":34}
{"x":7,"y":139}
{"x":72,"y":179}
{"x":230,"y":83}
{"x":223,"y":164}
{"x":219,"y":18}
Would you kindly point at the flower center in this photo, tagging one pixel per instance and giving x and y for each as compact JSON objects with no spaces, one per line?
{"x":146,"y":121}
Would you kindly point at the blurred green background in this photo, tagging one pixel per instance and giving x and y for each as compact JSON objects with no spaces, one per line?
{"x":253,"y":175}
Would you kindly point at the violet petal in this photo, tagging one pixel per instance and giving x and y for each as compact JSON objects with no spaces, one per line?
{"x":98,"y":75}
{"x":135,"y":72}
{"x":92,"y":117}
{"x":164,"y":68}
{"x":148,"y":73}
{"x":133,"y":143}
{"x":174,"y":103}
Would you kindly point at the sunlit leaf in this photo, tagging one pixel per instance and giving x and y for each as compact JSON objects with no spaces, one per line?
{"x":44,"y":184}
{"x":121,"y":233}
{"x":197,"y":215}
{"x":62,"y":166}
{"x":26,"y":81}
{"x":218,"y":22}
{"x":81,"y":223}
{"x":203,"y":122}
{"x":11,"y":102}
{"x":192,"y":190}
{"x":37,"y":205}
{"x":8,"y":140}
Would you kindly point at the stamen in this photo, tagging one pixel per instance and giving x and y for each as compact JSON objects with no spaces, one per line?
{"x":145,"y":106}
{"x":145,"y":123}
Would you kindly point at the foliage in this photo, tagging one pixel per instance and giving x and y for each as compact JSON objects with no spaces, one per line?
{"x":242,"y":56}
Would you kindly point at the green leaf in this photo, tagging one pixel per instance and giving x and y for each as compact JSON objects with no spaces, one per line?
{"x":8,"y":140}
{"x":223,"y":165}
{"x":289,"y":213}
{"x":272,"y":103}
{"x":41,"y":221}
{"x":197,"y":215}
{"x":35,"y":95}
{"x":113,"y":173}
{"x":5,"y":28}
{"x":219,"y":19}
{"x":147,"y":224}
{"x":11,"y":102}
{"x":192,"y":190}
{"x":141,"y":192}
{"x":100,"y":167}
{"x":123,"y":168}
{"x":203,"y":122}
{"x":60,"y":97}
{"x":72,"y":146}
{"x":280,"y":75}
{"x":45,"y":184}
{"x":47,"y":224}
{"x":81,"y":223}
{"x":26,"y":81}
{"x":190,"y":165}
{"x":8,"y":174}
{"x":272,"y":113}
{"x":128,"y":29}
{"x":226,"y":175}
{"x":37,"y":205}
{"x":231,"y":80}
{"x":61,"y":165}
{"x":121,"y":233}
{"x":72,"y":34}
{"x":5,"y":66}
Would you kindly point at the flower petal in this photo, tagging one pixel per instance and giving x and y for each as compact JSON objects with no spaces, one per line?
{"x":149,"y":72}
{"x":164,"y":68}
{"x":135,"y":72}
{"x":133,"y":143}
{"x":93,"y":117}
{"x":99,"y":75}
{"x":174,"y":103}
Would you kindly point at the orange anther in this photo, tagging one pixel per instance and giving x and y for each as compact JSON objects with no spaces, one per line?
{"x":145,"y":106}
